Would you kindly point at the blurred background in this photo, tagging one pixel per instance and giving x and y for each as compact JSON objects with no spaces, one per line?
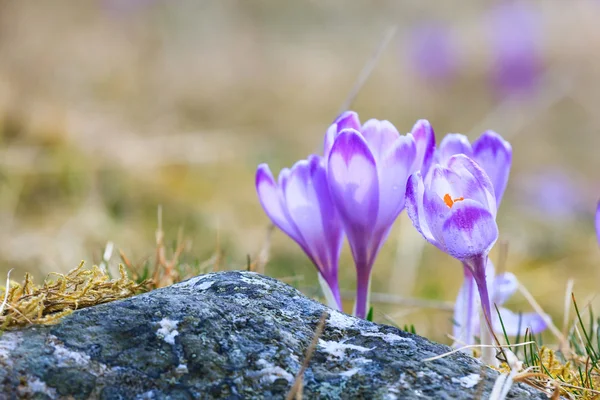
{"x":111,"y":108}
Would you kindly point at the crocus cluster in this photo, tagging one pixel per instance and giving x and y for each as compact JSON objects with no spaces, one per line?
{"x":356,"y":188}
{"x":366,"y":176}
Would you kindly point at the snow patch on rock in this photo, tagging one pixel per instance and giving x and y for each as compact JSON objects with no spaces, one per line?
{"x":388,"y":337}
{"x":338,"y":349}
{"x":167,"y":330}
{"x":270,"y":373}
{"x":467,"y":381}
{"x":65,"y":356}
{"x":204,"y":285}
{"x":340,"y":320}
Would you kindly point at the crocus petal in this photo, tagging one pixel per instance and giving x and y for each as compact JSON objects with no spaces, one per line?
{"x":424,"y":137}
{"x":330,"y":298}
{"x":598,"y":222}
{"x":474,"y":182}
{"x":466,"y":313}
{"x":303,"y":202}
{"x":452,"y":144}
{"x":394,"y":169}
{"x":332,"y":226}
{"x":346,"y":120}
{"x":380,"y":136}
{"x":516,"y":324}
{"x":415,"y":189}
{"x":436,"y":210}
{"x":504,"y":286}
{"x":494,"y":156}
{"x":270,"y":198}
{"x":470,"y":230}
{"x":353,"y":181}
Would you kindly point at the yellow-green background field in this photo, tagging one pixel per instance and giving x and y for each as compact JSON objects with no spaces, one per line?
{"x":109,"y":109}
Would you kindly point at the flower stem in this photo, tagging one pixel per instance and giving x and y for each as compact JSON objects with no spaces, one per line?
{"x":363,"y":290}
{"x":488,"y":354}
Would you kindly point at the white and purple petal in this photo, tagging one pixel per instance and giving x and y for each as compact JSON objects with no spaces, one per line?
{"x":380,"y":136}
{"x":474,"y":183}
{"x":503,"y":287}
{"x":303,"y":206}
{"x":515,"y":324}
{"x":346,"y":120}
{"x":469,"y":231}
{"x":452,"y":144}
{"x":424,"y":137}
{"x":394,"y":168}
{"x":353,"y":181}
{"x":271,"y":199}
{"x":415,"y":189}
{"x":494,"y":156}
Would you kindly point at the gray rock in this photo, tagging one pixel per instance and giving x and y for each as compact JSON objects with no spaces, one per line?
{"x":229,"y":335}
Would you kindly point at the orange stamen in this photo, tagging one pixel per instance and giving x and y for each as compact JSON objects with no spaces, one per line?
{"x":449,"y":202}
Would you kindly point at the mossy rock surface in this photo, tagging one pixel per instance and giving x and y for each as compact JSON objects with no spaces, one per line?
{"x":229,"y":335}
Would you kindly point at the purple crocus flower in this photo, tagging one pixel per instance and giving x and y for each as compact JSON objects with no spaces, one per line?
{"x":367,"y":169}
{"x":501,"y":287}
{"x":300,"y":204}
{"x":491,"y":152}
{"x":454,"y":208}
{"x":514,"y":32}
{"x":598,"y":222}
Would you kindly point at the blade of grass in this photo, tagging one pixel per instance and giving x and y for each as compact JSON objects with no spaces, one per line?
{"x":588,"y":343}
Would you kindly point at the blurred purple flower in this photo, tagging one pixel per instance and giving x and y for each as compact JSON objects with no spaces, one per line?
{"x":367,"y":169}
{"x":454,"y":208}
{"x":432,"y":51}
{"x":501,"y":287}
{"x":300,"y":204}
{"x":491,"y":152}
{"x":515,"y":40}
{"x":552,"y":191}
{"x":598,"y":222}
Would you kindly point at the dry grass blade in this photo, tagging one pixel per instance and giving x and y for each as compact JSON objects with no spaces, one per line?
{"x":28,"y":303}
{"x":368,"y":68}
{"x":473,"y":346}
{"x":538,"y":309}
{"x":262,"y":259}
{"x":296,"y":389}
{"x":6,"y":290}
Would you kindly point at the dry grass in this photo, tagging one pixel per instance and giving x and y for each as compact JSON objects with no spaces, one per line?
{"x":26,"y":303}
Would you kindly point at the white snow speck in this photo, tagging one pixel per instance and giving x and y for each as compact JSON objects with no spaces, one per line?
{"x":350,"y":372}
{"x":337,"y":349}
{"x":270,"y":373}
{"x":37,"y":386}
{"x":146,"y":395}
{"x":66,"y":356}
{"x":181,"y":369}
{"x":195,"y":280}
{"x":388,"y":337}
{"x":205,"y":285}
{"x":467,"y":381}
{"x":8,"y":342}
{"x":255,"y":281}
{"x":167,"y":330}
{"x":339,"y":320}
